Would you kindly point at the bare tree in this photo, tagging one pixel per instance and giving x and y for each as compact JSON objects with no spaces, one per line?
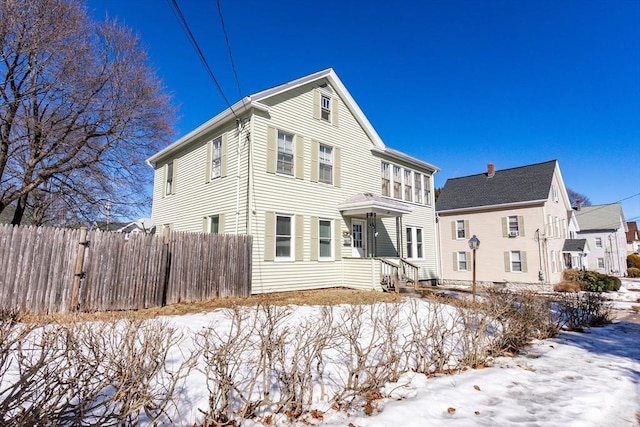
{"x":80,"y":110}
{"x":574,"y":197}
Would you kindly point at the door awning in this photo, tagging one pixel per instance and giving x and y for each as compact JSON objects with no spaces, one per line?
{"x":364,"y":203}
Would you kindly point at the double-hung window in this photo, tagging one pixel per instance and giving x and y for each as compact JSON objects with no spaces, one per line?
{"x":324,"y":238}
{"x":326,"y":164}
{"x":285,"y":153}
{"x":325,"y":107}
{"x":598,"y":242}
{"x":414,"y":243}
{"x":284,"y":237}
{"x":216,"y":158}
{"x":417,"y":187}
{"x":513,"y":225}
{"x":462,"y":261}
{"x":461,"y":232}
{"x":427,"y":190}
{"x":169,"y":179}
{"x":385,"y":173}
{"x":408,"y":187}
{"x":397,"y":182}
{"x":516,"y":261}
{"x":600,"y":262}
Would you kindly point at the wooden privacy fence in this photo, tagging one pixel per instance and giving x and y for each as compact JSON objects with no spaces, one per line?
{"x":46,"y":270}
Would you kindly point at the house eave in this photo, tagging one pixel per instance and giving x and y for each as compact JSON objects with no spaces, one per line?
{"x":240,"y":107}
{"x":502,"y":206}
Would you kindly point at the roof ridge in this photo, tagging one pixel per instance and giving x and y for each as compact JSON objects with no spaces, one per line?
{"x":507,"y":169}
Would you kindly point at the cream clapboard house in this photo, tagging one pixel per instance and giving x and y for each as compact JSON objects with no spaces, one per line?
{"x":523,"y":219}
{"x":300,"y":168}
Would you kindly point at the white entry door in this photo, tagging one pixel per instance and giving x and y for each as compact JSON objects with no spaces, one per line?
{"x":358,"y":238}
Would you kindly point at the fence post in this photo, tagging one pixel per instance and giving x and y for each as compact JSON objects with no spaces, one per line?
{"x":77,"y":277}
{"x":166,"y":240}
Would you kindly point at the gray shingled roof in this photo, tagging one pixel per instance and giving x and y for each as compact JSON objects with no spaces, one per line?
{"x":574,"y":245}
{"x":521,"y":184}
{"x":600,"y":217}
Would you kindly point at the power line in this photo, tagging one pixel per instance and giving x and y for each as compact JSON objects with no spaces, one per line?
{"x":194,"y":43}
{"x":226,"y":38}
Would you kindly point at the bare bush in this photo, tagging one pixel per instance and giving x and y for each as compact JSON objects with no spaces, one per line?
{"x":583,"y":309}
{"x":100,"y":374}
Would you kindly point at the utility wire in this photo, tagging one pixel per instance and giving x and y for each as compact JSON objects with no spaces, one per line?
{"x":192,"y":39}
{"x":226,"y":38}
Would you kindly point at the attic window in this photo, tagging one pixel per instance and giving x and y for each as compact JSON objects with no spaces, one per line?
{"x":325,"y":107}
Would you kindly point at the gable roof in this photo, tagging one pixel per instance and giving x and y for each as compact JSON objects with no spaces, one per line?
{"x":524,"y":184}
{"x":575,"y":245}
{"x":253,"y":102}
{"x":600,"y":217}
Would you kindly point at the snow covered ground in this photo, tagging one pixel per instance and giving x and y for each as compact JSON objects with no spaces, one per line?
{"x":576,"y":379}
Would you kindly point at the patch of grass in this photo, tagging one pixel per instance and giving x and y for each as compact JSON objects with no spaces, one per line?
{"x":330,"y":296}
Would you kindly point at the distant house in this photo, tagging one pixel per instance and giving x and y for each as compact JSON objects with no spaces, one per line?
{"x":605,"y":229}
{"x":301,"y":168}
{"x":523,"y":219}
{"x":633,"y":238}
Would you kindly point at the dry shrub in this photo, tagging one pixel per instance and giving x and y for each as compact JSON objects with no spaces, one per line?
{"x":583,"y":309}
{"x":571,"y":275}
{"x":99,"y":374}
{"x":567,"y":286}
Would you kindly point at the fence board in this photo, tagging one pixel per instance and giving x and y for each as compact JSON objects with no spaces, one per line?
{"x":37,"y":269}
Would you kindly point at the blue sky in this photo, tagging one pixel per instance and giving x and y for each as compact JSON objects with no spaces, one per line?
{"x":455,"y":83}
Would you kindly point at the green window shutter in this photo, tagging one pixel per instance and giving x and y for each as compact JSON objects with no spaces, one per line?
{"x":223,"y":151}
{"x":521,"y":226}
{"x":205,"y":224}
{"x":337,"y":238}
{"x":315,"y":149}
{"x":299,"y":149}
{"x":221,"y":223}
{"x":507,"y":262}
{"x":314,"y":238}
{"x":505,"y":227}
{"x":316,"y":104}
{"x":455,"y":261}
{"x":335,"y":107}
{"x":299,"y":237}
{"x":269,"y":236}
{"x":272,"y":135}
{"x":208,"y":165}
{"x":453,"y":230}
{"x":467,"y":232}
{"x":523,"y":260}
{"x":337,"y":173}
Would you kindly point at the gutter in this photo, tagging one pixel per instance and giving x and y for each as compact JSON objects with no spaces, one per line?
{"x":491,"y":207}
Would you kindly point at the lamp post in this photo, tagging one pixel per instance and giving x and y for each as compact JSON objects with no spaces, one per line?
{"x":474,"y":244}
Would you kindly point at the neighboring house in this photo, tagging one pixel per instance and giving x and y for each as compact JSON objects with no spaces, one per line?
{"x":633,"y":238}
{"x":605,"y":229}
{"x":300,"y":168}
{"x":522,"y":218}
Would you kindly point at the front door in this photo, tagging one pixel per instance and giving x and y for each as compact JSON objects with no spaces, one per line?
{"x":358,"y":238}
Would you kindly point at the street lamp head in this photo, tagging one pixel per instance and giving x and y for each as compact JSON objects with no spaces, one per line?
{"x":474,"y":243}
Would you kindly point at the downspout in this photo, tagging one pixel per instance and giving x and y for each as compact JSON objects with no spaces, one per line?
{"x":238,"y":151}
{"x":540,"y":273}
{"x":618,"y":255}
{"x":249,"y":176}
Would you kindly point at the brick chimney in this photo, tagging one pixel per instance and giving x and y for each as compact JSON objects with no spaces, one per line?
{"x":578,"y":204}
{"x":491,"y":170}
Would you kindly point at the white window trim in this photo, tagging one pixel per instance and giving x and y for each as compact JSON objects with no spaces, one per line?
{"x":321,"y":162}
{"x":331,"y":240}
{"x":466,"y":261}
{"x":387,"y":178}
{"x":211,"y":218}
{"x":511,"y":261}
{"x":515,"y":232}
{"x":414,"y":242}
{"x":463,"y":229}
{"x":292,"y":239}
{"x":293,"y":153}
{"x":324,"y":96}
{"x":168,"y":183}
{"x":216,"y":141}
{"x":598,"y":242}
